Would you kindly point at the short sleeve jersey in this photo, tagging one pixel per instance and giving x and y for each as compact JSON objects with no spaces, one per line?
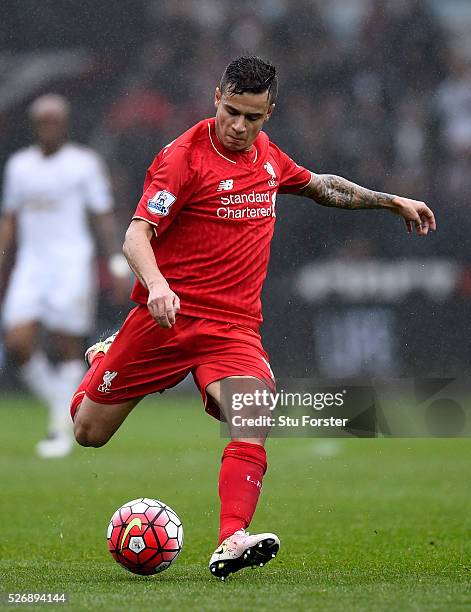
{"x":51,"y":196}
{"x":213,"y":213}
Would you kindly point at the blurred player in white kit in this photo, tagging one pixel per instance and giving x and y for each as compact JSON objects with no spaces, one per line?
{"x":49,"y":191}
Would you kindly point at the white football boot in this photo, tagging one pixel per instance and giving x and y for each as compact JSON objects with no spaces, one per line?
{"x":55,"y":446}
{"x":243,"y":550}
{"x":101,"y":346}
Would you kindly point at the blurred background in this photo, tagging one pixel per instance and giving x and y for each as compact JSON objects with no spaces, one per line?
{"x":378,"y":91}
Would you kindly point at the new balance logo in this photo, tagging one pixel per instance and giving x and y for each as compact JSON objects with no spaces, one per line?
{"x":226,"y":185}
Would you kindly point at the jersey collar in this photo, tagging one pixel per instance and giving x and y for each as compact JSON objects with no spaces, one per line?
{"x":234,"y":157}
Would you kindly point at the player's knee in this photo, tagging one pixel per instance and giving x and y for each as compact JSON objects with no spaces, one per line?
{"x":18,"y":350}
{"x":86,"y":435}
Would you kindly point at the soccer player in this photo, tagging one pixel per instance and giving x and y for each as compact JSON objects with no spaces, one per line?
{"x":49,"y":189}
{"x":199,"y":246}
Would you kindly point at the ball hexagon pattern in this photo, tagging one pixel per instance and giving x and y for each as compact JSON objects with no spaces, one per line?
{"x":145,"y":536}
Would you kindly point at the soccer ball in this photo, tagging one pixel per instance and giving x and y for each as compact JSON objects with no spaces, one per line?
{"x":145,"y":536}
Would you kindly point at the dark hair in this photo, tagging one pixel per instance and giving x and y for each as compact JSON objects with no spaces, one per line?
{"x":251,"y":74}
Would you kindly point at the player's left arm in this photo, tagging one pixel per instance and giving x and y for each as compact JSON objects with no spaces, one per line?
{"x":338,"y":192}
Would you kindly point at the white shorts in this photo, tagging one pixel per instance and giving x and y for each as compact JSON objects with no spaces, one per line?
{"x":61,"y":295}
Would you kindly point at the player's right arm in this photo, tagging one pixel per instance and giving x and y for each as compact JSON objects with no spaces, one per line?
{"x":11,"y":201}
{"x":163,"y":303}
{"x":7,"y":233}
{"x":168,"y":186}
{"x":7,"y":238}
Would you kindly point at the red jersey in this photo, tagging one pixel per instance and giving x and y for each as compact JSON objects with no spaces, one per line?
{"x":213,"y":211}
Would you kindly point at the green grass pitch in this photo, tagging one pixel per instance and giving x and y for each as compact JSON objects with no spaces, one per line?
{"x":378,"y":525}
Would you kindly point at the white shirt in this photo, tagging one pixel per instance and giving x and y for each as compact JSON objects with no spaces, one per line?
{"x":50,"y":196}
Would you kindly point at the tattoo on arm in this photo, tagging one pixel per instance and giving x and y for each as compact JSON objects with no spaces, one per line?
{"x":331,"y":190}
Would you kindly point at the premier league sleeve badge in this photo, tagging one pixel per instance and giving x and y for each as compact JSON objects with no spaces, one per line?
{"x":160,"y":203}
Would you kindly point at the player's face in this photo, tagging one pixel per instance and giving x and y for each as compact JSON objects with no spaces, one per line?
{"x":50,"y":129}
{"x":240,"y":117}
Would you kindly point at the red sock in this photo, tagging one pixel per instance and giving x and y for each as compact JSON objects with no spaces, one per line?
{"x":78,"y":395}
{"x":240,"y":482}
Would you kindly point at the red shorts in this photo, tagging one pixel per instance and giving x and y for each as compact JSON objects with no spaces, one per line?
{"x":145,"y":358}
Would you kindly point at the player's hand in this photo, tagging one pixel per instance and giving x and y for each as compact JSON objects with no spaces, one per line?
{"x":415,"y":214}
{"x":163,"y":304}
